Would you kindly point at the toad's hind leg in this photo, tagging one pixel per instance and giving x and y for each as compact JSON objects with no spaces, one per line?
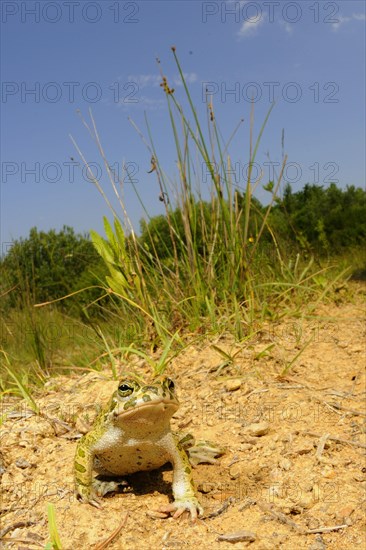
{"x":200,"y":452}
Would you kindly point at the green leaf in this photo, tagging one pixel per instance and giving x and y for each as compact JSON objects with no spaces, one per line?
{"x":102,"y":246}
{"x":111,"y":237}
{"x":52,"y":527}
{"x":120,"y":235}
{"x":117,"y":282}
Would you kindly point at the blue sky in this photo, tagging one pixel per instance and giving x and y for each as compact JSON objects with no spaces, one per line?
{"x":59,"y":57}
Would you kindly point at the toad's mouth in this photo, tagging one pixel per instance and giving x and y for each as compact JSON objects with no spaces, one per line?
{"x":155,"y":406}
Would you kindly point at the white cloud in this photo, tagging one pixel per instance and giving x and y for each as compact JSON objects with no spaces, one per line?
{"x":137,"y":99}
{"x":250,"y":26}
{"x":188,"y":77}
{"x":143,"y":102}
{"x":342,"y":20}
{"x":153,"y":104}
{"x":144,"y":80}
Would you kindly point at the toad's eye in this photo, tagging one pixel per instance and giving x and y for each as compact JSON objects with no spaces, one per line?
{"x":125,"y":389}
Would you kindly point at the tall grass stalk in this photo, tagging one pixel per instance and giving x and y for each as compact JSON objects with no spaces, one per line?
{"x":204,"y":263}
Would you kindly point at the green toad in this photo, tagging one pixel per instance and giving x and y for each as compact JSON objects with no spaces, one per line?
{"x":133,"y":434}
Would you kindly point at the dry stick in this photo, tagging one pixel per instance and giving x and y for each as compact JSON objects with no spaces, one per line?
{"x":22,"y":541}
{"x":288,"y":378}
{"x":335,"y":407}
{"x":104,"y":544}
{"x":329,"y":405}
{"x":222,"y":508}
{"x":325,"y":529}
{"x":286,"y":387}
{"x":282,"y":518}
{"x":17,"y":525}
{"x":321,"y":444}
{"x":254,"y":392}
{"x":353,"y":411}
{"x":338,"y":439}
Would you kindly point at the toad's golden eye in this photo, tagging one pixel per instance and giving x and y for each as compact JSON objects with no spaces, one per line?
{"x":125,"y":389}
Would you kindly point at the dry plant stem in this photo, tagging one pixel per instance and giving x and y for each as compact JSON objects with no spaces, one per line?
{"x":321,"y":445}
{"x":116,"y":532}
{"x":222,"y":508}
{"x":110,"y":175}
{"x":23,"y":541}
{"x":269,"y":208}
{"x":71,"y":294}
{"x":338,"y":439}
{"x":170,"y":225}
{"x":235,"y":131}
{"x":325,"y":529}
{"x":93,"y":178}
{"x":282,"y":518}
{"x":352,"y":411}
{"x":17,"y":525}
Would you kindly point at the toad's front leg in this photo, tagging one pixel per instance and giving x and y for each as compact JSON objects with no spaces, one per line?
{"x":184,"y":492}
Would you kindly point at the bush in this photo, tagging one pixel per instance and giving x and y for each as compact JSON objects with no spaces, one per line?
{"x":48,"y":265}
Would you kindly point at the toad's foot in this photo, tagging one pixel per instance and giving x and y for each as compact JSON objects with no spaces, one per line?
{"x":179,"y":506}
{"x":86,"y":495}
{"x":101,"y":487}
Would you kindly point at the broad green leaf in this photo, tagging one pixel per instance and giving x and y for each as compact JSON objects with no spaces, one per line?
{"x":120,"y":234}
{"x":103,"y":248}
{"x":111,"y":237}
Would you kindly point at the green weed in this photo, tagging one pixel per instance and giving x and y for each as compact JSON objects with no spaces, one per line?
{"x":55,"y":543}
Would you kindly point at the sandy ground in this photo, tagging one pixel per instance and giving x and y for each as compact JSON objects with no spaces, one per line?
{"x":294,"y":471}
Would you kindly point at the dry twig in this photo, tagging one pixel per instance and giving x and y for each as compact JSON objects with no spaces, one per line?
{"x":338,"y":439}
{"x":282,"y":518}
{"x":116,"y":532}
{"x":321,"y":444}
{"x":325,"y":529}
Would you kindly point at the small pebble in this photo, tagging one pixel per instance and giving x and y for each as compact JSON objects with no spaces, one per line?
{"x":22,"y":463}
{"x":345,"y":512}
{"x":303,"y":448}
{"x":328,"y":472}
{"x":305,"y":501}
{"x":285,"y":464}
{"x":359,"y":476}
{"x":245,"y":447}
{"x":155,"y":514}
{"x":233,"y":385}
{"x":258,"y":429}
{"x":238,"y":536}
{"x":318,"y":544}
